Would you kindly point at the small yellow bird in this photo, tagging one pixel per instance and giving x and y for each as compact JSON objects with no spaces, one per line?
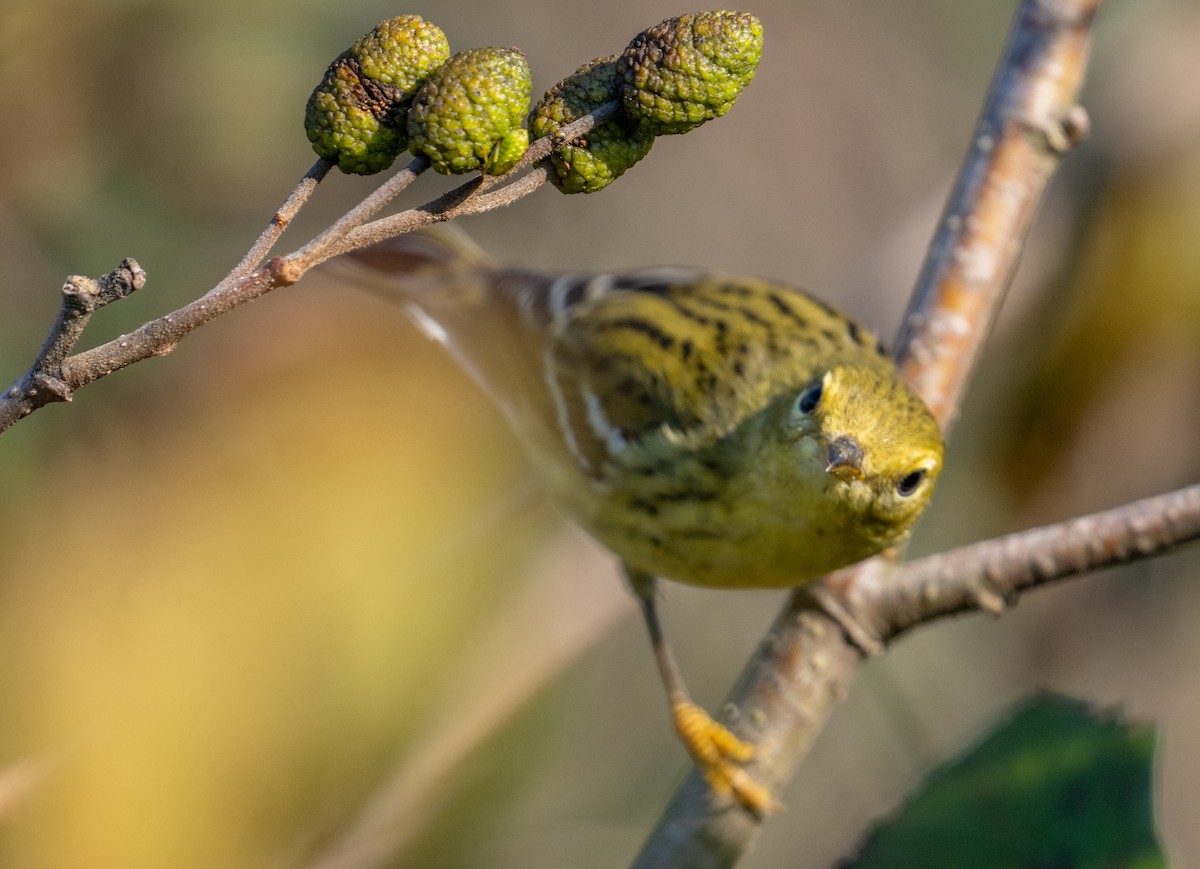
{"x":722,"y":431}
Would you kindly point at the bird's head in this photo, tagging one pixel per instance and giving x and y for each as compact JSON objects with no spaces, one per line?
{"x":880,"y":447}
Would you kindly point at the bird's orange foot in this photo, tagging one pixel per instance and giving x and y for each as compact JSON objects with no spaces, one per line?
{"x":719,"y":755}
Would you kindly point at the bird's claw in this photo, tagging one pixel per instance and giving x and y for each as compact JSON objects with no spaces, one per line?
{"x":720,"y":755}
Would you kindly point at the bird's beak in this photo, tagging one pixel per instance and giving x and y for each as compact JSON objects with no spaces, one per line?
{"x":845,"y":459}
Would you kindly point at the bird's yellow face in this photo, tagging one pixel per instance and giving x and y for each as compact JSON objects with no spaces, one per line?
{"x":824,"y":476}
{"x":877,"y":445}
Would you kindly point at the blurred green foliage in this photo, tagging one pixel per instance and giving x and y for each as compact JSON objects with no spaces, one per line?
{"x":1055,"y":786}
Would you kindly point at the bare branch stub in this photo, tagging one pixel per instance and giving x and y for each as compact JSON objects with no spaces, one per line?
{"x":82,"y":297}
{"x":44,"y":382}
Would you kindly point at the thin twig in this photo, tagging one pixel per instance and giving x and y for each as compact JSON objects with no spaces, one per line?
{"x":805,"y":666}
{"x":415,"y":218}
{"x":469,"y":198}
{"x":280,"y":221}
{"x":442,"y":208}
{"x":317,"y":250}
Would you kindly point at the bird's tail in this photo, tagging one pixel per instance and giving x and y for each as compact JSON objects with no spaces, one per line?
{"x":440,"y":270}
{"x":449,"y":287}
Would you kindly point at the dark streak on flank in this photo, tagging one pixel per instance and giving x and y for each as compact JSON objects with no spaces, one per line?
{"x":687,"y":312}
{"x":636,"y":324}
{"x":703,"y":299}
{"x":753,"y":317}
{"x":698,"y":534}
{"x":653,"y":505}
{"x":650,"y":284}
{"x":784,"y":308}
{"x":722,"y":329}
{"x":681,"y":495}
{"x":716,"y":467}
{"x":732,"y":289}
{"x":643,"y":506}
{"x":653,"y":539}
{"x":826,"y":307}
{"x":660,"y":467}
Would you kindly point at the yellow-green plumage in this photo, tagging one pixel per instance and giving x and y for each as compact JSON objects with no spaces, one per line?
{"x":669,"y":410}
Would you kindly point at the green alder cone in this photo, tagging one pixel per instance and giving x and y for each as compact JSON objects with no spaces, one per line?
{"x":594,"y":161}
{"x":352,"y":124}
{"x":505,"y":153}
{"x":402,"y":51}
{"x":468,"y":107}
{"x":687,"y":70}
{"x":356,"y":116}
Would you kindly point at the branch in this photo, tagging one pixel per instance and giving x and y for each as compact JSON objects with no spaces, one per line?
{"x":992,"y":575}
{"x":1029,"y":121}
{"x":55,"y":375}
{"x":806,"y":664}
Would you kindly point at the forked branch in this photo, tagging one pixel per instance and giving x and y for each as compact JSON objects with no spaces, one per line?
{"x":805,"y":666}
{"x":56,"y":373}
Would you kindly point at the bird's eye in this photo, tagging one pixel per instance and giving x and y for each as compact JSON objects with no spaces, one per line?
{"x":810,"y":398}
{"x":910,"y":483}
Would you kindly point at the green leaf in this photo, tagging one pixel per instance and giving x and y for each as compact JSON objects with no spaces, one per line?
{"x":1056,"y":785}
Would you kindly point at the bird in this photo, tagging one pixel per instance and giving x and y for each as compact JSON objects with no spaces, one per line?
{"x":717,"y":430}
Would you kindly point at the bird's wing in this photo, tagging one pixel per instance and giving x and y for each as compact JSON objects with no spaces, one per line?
{"x":597,"y":363}
{"x":683,"y":354}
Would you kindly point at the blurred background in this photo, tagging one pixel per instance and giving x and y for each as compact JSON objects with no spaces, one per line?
{"x":290,"y":596}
